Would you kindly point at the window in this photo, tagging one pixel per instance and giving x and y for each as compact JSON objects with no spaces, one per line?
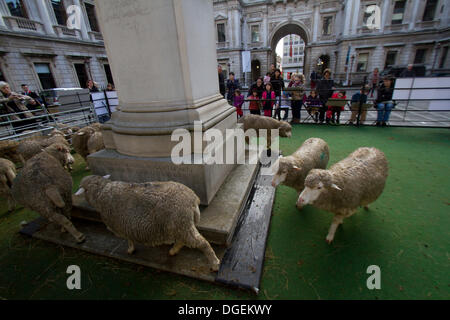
{"x":443,"y":58}
{"x":399,"y":10}
{"x":361,"y":66}
{"x":390,"y":58}
{"x":60,"y":12}
{"x":17,"y":8}
{"x":326,"y":30}
{"x":430,"y":8}
{"x":45,"y":75}
{"x":90,"y":11}
{"x":255,"y":33}
{"x":285,"y":54}
{"x":108,"y":74}
{"x":82,"y":76}
{"x":221,"y":32}
{"x":420,"y":56}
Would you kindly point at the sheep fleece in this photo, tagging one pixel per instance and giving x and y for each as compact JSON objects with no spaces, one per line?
{"x":313,"y":153}
{"x":361,"y":176}
{"x":151,"y":213}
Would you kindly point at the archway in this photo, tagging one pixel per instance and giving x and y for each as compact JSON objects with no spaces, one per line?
{"x":285,"y":29}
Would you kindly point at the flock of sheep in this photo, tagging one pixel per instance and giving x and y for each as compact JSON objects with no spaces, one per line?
{"x":156,"y":213}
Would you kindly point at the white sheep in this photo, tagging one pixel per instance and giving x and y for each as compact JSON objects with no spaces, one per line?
{"x":7,"y":176}
{"x":355,"y":181}
{"x":45,"y":187}
{"x":292,"y":170}
{"x":152,"y":213}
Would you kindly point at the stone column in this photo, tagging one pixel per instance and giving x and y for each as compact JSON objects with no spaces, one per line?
{"x":163,"y":57}
{"x":316,"y":22}
{"x":45,"y":17}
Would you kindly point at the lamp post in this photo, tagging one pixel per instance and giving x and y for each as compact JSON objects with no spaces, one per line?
{"x":351,"y":68}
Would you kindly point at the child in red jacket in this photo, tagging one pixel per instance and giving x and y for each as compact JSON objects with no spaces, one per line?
{"x":335,"y":112}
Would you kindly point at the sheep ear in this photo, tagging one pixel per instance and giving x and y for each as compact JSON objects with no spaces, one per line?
{"x":296,"y":168}
{"x":336,"y":187}
{"x":80,"y":133}
{"x":80,"y":191}
{"x":107,"y":176}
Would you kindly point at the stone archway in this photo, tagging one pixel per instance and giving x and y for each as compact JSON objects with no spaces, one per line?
{"x":287,"y":28}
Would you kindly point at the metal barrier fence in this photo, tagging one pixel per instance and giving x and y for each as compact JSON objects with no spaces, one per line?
{"x":15,"y":126}
{"x":406,"y":112}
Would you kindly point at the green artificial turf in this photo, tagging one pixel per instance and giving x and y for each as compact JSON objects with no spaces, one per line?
{"x":405,"y":233}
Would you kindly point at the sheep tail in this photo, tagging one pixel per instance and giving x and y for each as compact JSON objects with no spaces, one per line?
{"x":196,"y":215}
{"x":11,"y":175}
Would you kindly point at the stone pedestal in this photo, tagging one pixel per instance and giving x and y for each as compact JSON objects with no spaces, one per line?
{"x":163,"y":58}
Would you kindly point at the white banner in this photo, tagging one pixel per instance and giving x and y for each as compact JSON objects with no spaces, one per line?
{"x":246,"y":61}
{"x":418,"y":89}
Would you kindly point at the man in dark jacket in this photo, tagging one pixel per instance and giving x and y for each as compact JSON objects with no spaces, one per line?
{"x":221,"y":81}
{"x":325,"y":88}
{"x":384,"y":103}
{"x":37,"y":100}
{"x":408,"y":72}
{"x":232,"y":85}
{"x":277,"y":82}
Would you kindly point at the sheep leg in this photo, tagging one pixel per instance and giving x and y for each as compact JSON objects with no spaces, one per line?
{"x":203,"y":245}
{"x":176,"y":248}
{"x":131,"y":247}
{"x":337,"y":220}
{"x":66,"y":224}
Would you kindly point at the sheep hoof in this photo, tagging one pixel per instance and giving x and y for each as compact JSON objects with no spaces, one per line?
{"x":329,"y":240}
{"x":81,"y":238}
{"x":215,"y":266}
{"x":87,"y":168}
{"x":131,"y":250}
{"x":366,"y":208}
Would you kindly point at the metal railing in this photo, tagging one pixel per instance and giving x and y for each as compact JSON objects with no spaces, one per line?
{"x":16,"y":126}
{"x":406,"y":112}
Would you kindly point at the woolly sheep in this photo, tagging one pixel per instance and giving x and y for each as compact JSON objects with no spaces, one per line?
{"x":252,"y":121}
{"x":8,"y":150}
{"x":7,"y":176}
{"x":45,"y":187}
{"x":292,"y":170}
{"x":152,"y":213}
{"x":31,"y":146}
{"x":355,"y":181}
{"x":88,"y":140}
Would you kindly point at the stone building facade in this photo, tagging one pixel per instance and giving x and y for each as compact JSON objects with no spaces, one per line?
{"x":351,"y":37}
{"x":293,"y":55}
{"x":37,"y":47}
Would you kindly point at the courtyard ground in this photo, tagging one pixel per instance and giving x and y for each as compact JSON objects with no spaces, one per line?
{"x":406,"y":233}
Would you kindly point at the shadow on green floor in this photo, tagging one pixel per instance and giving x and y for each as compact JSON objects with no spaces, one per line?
{"x":405,"y":233}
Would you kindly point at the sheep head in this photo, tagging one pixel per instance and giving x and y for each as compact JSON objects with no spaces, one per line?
{"x":317,"y":181}
{"x":281,"y":169}
{"x":285,"y":129}
{"x":60,"y":152}
{"x":91,"y":185}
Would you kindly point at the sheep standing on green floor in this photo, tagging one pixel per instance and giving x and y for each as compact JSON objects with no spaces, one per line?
{"x":292,"y":170}
{"x":353,"y":182}
{"x":151,"y":213}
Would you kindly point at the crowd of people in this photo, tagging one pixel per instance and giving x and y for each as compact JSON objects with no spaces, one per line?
{"x":270,"y":97}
